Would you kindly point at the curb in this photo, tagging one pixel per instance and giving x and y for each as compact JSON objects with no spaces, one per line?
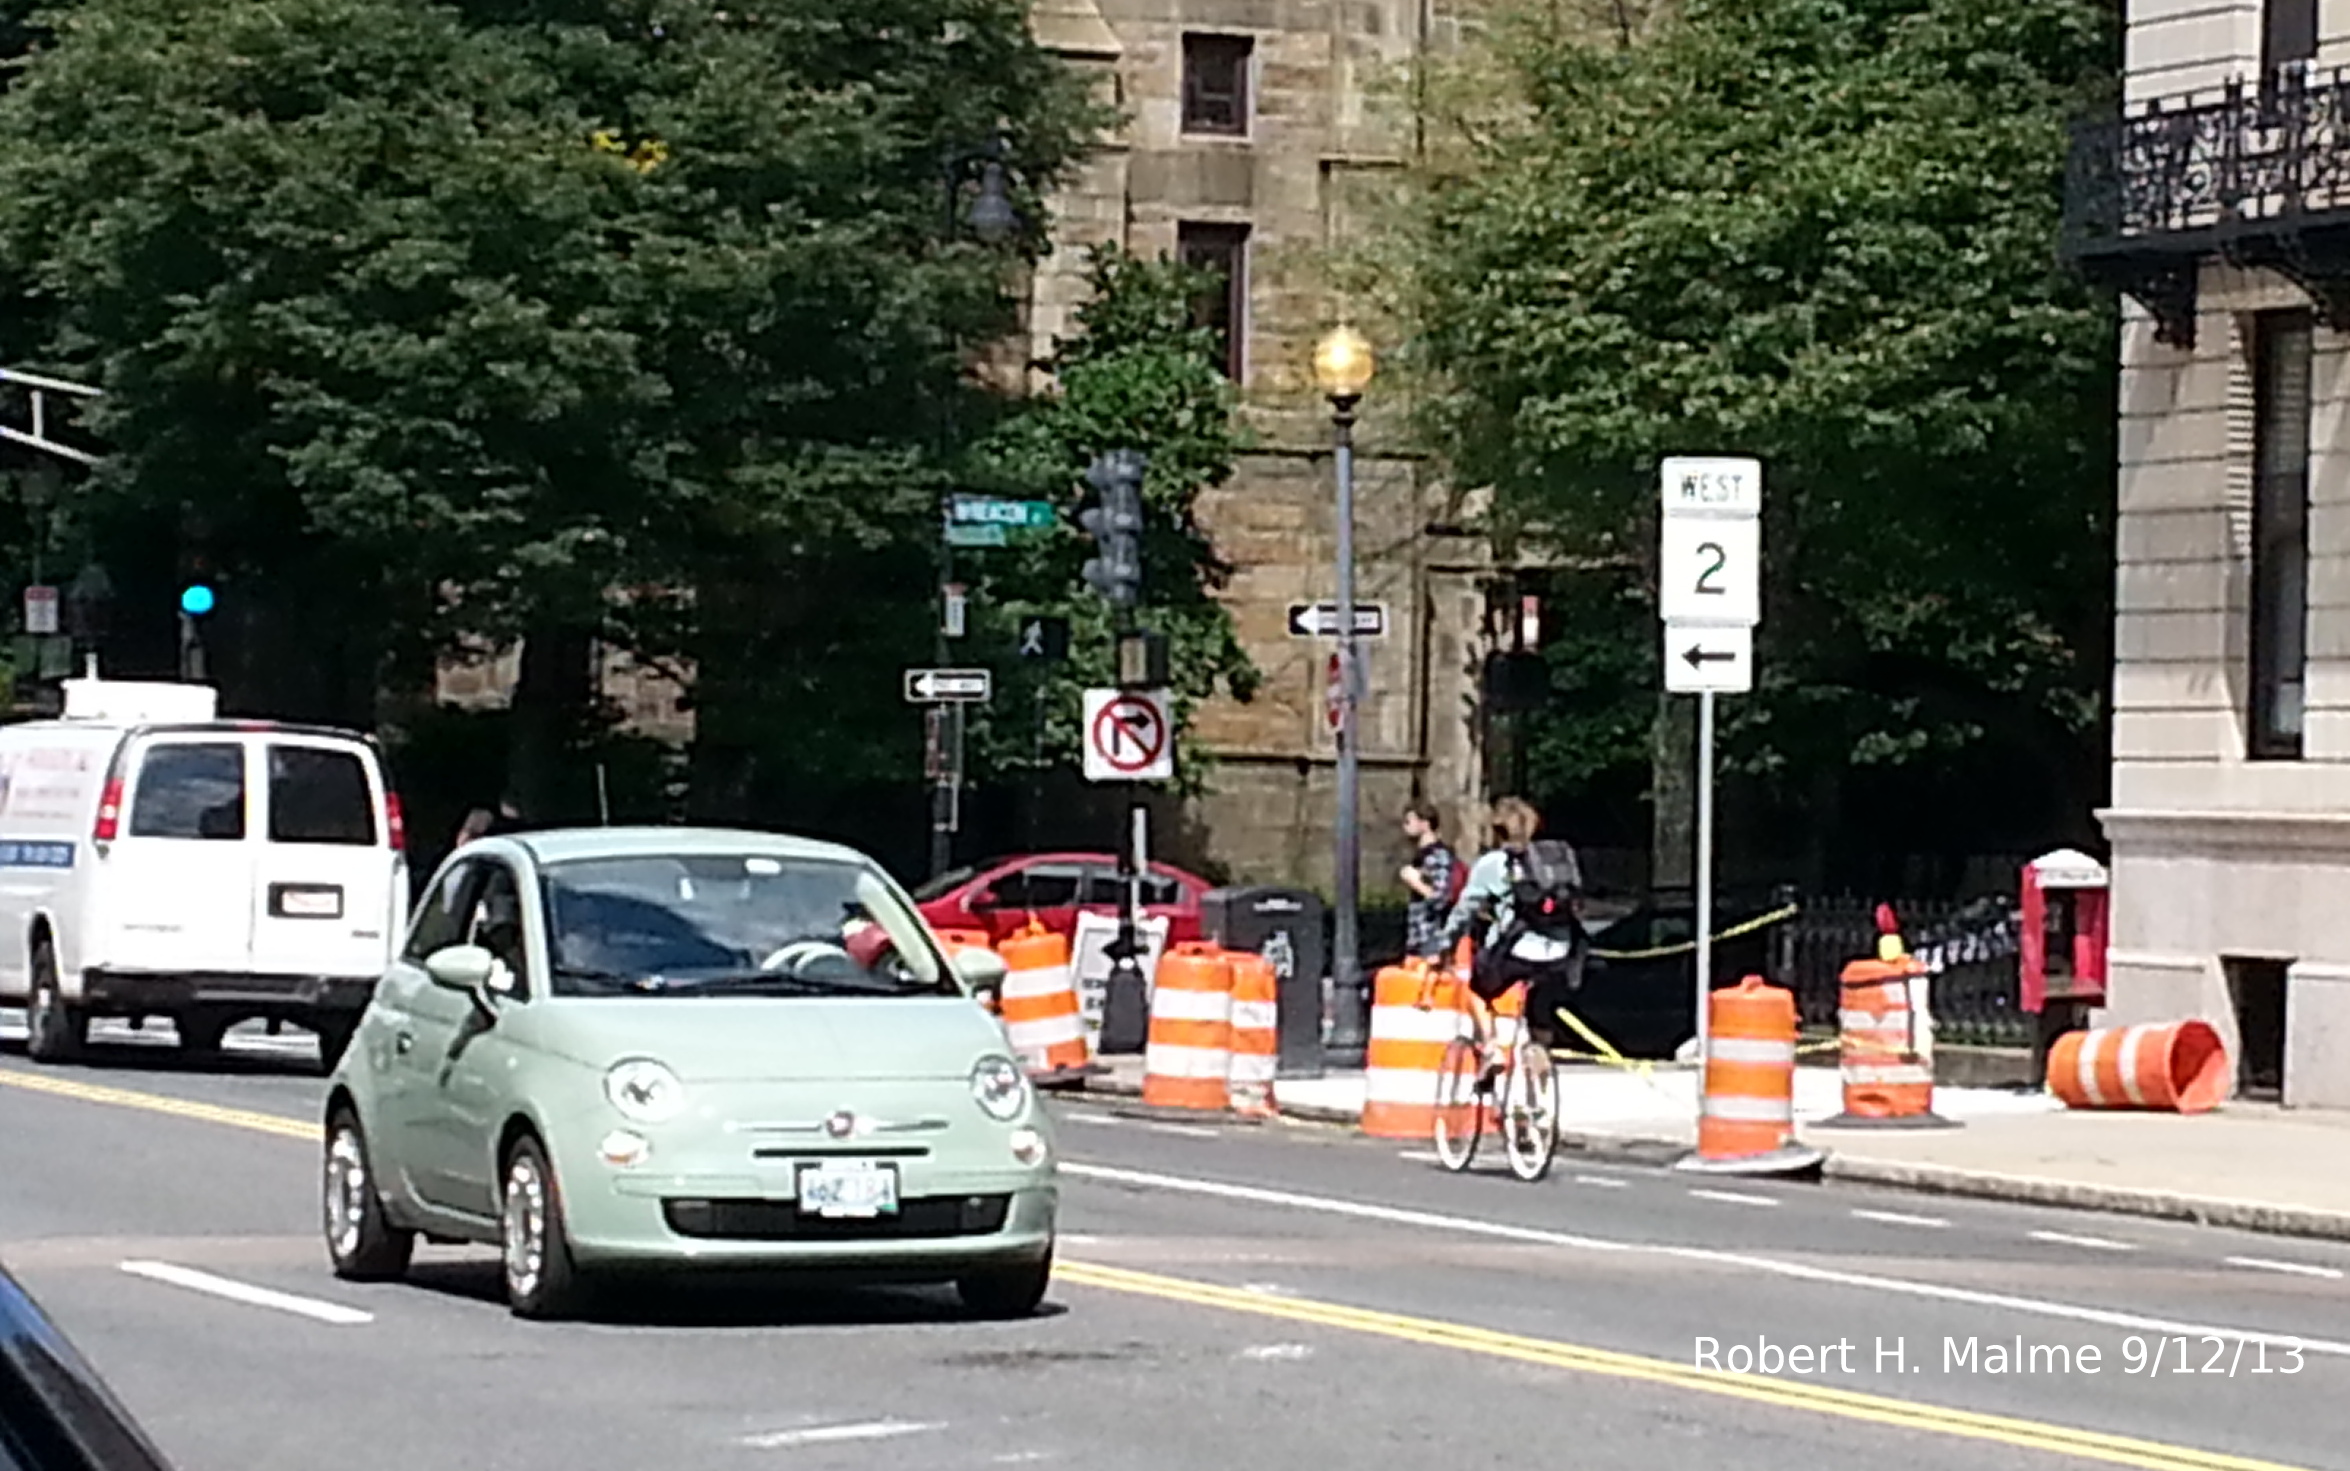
{"x":2201,"y":1210}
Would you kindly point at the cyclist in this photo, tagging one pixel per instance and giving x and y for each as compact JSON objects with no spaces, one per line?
{"x":1532,"y":888}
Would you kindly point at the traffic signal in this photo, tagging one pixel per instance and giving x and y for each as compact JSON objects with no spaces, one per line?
{"x":196,"y":599}
{"x":1115,"y":524}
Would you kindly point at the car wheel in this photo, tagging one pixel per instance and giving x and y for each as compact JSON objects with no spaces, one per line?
{"x":360,"y":1239}
{"x":201,"y":1033}
{"x":334,"y":1039}
{"x":542,"y":1281}
{"x":55,"y":1029}
{"x":1007,"y":1292}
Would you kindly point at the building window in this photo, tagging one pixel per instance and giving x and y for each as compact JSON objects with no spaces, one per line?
{"x":2288,"y":36}
{"x":1222,"y":307}
{"x":2280,"y":533}
{"x":1215,"y":84}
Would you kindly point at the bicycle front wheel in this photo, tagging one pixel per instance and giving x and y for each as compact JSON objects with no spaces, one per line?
{"x":1530,"y":1122}
{"x":1460,"y":1113}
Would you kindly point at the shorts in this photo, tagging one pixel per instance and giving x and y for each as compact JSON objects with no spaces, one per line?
{"x":1495,"y":970}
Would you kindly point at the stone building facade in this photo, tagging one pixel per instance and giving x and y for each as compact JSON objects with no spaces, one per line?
{"x":2214,"y":201}
{"x":1255,"y":141}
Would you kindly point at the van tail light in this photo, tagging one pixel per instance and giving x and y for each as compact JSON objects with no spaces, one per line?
{"x":395,"y":823}
{"x":109,"y":825}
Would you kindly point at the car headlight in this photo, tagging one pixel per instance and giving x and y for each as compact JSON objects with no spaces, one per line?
{"x":999,"y":1088}
{"x":644,"y":1090}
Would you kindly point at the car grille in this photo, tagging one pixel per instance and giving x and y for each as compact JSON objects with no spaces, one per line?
{"x":927,"y":1217}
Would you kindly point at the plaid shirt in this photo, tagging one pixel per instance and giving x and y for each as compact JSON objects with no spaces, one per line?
{"x":1424,"y":920}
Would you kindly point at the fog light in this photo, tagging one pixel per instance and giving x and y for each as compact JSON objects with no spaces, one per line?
{"x":1028,"y":1146}
{"x":622,"y":1148}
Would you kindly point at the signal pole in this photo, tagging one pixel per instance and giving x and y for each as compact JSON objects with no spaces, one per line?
{"x":1115,"y":524}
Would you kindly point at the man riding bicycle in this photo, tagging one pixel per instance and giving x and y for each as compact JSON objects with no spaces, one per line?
{"x":1532,"y":889}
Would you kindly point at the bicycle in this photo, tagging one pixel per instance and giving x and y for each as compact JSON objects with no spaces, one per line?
{"x":1529,"y":1101}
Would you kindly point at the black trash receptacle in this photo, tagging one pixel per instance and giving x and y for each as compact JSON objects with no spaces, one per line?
{"x":1285,"y":926}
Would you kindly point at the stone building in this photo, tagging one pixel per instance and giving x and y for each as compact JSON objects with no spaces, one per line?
{"x":1255,"y":141}
{"x":2217,"y":201}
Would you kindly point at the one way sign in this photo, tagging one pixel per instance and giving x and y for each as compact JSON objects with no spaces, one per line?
{"x":1702,"y":660}
{"x":949,"y":686}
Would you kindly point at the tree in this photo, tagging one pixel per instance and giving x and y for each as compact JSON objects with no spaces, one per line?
{"x":1138,"y":374}
{"x":1820,"y":232}
{"x":453,"y":321}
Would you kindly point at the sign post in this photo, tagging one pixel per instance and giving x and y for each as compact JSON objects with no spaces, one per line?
{"x":1709,"y":597}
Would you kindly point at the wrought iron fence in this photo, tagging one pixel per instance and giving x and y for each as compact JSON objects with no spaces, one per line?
{"x":1970,"y":948}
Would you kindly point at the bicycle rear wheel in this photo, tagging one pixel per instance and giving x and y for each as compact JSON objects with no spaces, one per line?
{"x":1460,"y":1113}
{"x":1530,"y":1117}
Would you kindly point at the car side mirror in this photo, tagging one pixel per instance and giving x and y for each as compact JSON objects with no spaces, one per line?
{"x":981,"y":970}
{"x":461,"y":967}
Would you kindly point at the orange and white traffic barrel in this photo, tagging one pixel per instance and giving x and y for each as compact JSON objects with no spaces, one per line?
{"x":1256,"y":1032}
{"x":1040,"y":1007}
{"x":1415,"y":1013}
{"x":1885,"y":1029}
{"x":1746,"y":1121}
{"x":2177,"y":1067}
{"x":1187,"y":1058}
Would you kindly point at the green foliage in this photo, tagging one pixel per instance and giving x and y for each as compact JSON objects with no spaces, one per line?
{"x":1137,"y":374}
{"x":1820,"y":232}
{"x":462,"y":316}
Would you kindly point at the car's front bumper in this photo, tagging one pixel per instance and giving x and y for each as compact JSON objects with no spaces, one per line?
{"x":650,"y":1219}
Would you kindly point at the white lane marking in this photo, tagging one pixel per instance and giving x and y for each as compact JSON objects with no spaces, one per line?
{"x":1734,"y":1197}
{"x":1898,"y":1218}
{"x":1865,"y":1281}
{"x":1184,"y":1131}
{"x":1422,"y":1156}
{"x":260,"y":1297}
{"x":777,"y":1440}
{"x":1268,"y":1351}
{"x":1603,"y":1182}
{"x":2298,"y":1269}
{"x":1071,"y":1240}
{"x":1266,"y":1289}
{"x":1089,"y":1116}
{"x":2093,"y":1243}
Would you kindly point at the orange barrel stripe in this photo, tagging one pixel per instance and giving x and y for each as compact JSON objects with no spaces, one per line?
{"x":1749,"y":1105}
{"x":2181,"y":1067}
{"x":1187,"y":1059}
{"x":1405,"y":1059}
{"x":959,"y":940}
{"x":1256,"y":1031}
{"x":1041,"y":1011}
{"x":1887,"y":1074}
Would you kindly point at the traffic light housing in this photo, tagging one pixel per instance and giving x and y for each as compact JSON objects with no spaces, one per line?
{"x":1115,"y":524}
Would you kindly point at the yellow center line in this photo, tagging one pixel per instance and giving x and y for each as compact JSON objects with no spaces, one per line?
{"x":1821,"y":1399}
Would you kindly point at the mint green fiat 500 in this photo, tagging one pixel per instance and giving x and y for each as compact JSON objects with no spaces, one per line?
{"x":604,"y":1049}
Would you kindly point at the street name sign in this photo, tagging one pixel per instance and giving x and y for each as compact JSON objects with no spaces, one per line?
{"x":1320,"y":620}
{"x":1129,"y":736}
{"x":949,"y":686}
{"x":1708,"y":660}
{"x":987,"y":510}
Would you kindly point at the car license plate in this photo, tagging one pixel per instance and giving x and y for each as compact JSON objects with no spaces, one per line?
{"x":848,"y":1188}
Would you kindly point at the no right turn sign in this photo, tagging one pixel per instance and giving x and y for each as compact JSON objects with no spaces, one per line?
{"x":1129,"y":736}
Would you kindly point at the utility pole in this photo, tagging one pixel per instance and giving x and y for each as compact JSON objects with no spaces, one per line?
{"x":1115,"y":524}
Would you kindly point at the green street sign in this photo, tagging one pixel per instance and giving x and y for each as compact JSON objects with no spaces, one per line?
{"x":977,"y":536}
{"x":982,"y":510}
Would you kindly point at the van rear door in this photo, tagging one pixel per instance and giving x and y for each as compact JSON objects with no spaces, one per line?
{"x":323,"y":902}
{"x":178,"y":876}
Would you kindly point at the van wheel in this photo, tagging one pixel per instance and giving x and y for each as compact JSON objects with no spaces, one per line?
{"x":56,"y":1029}
{"x":334,"y":1039}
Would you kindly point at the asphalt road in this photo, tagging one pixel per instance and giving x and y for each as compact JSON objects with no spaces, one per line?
{"x":1272,"y":1296}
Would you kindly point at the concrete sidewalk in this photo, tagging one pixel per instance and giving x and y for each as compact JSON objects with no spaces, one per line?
{"x":2251,"y":1166}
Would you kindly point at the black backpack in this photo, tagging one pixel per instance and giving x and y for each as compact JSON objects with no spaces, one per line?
{"x":1545,"y":881}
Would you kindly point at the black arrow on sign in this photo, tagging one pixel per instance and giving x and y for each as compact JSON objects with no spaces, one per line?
{"x":1699,"y":656}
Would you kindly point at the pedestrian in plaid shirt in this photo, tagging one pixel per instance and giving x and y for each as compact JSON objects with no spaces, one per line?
{"x":1434,"y":876}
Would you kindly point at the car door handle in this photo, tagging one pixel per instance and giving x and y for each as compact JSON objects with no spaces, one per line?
{"x":404,"y":1043}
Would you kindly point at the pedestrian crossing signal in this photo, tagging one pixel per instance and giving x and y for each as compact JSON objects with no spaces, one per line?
{"x":196,"y":599}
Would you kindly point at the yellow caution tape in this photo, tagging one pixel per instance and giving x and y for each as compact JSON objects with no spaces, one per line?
{"x":1687,"y":947}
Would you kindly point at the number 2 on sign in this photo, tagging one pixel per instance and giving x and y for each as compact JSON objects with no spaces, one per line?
{"x":1719,"y":559}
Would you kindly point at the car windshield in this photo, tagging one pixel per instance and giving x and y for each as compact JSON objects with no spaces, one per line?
{"x":735,"y":924}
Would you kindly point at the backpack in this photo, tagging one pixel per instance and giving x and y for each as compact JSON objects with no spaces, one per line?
{"x":1545,"y":881}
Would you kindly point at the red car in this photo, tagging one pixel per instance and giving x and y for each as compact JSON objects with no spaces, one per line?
{"x":998,"y":896}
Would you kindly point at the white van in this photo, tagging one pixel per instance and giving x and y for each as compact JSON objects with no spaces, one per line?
{"x":158,"y":861}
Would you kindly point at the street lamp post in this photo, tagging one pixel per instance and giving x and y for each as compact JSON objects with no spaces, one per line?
{"x":1343,"y":365}
{"x":992,"y":219}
